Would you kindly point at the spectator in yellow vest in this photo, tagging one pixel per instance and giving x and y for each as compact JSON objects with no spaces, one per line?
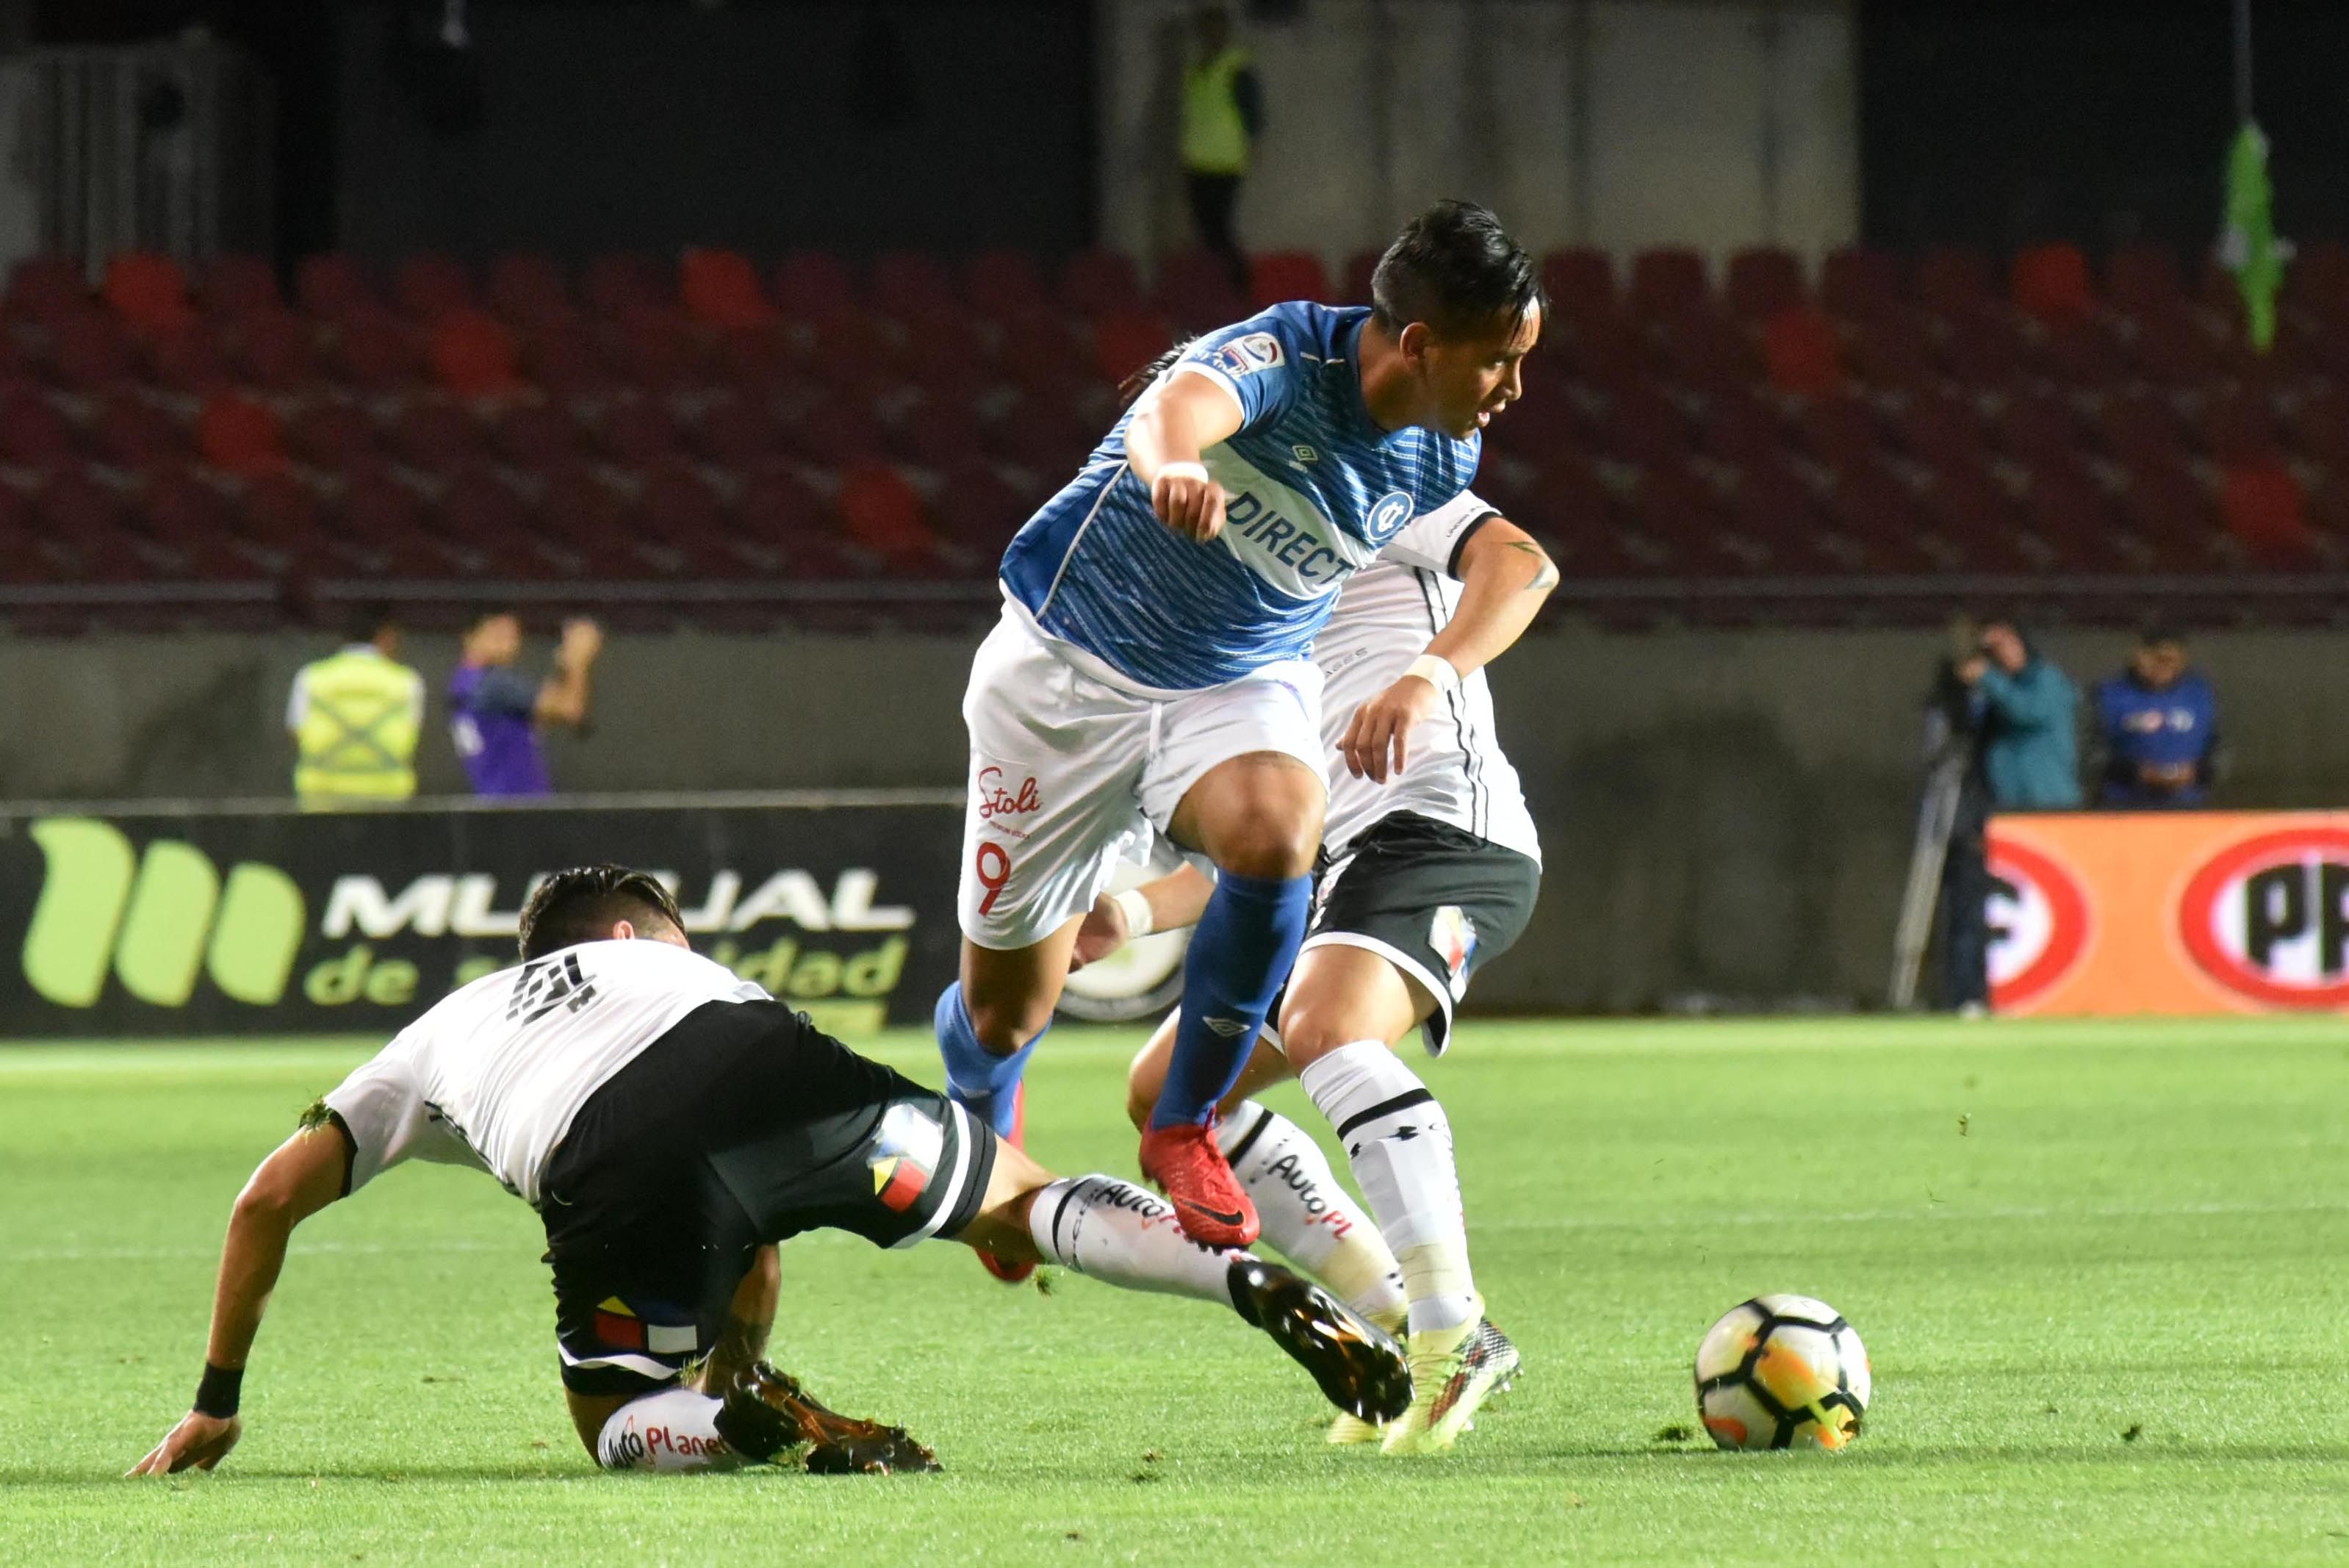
{"x":1223,"y":110}
{"x":355,"y":716}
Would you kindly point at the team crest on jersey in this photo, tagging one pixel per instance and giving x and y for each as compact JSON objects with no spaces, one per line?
{"x":905,"y":1152}
{"x":1452,"y":935}
{"x":1386,"y":515}
{"x":1247,"y":356}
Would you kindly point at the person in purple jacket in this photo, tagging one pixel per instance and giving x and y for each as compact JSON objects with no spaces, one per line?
{"x":497,"y":709}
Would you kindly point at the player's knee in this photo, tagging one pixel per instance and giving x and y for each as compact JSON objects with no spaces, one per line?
{"x":1272,"y":846}
{"x":1003,"y":1026}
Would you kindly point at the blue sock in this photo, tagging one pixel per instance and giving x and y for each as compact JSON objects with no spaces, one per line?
{"x":977,"y":1078}
{"x":1239,"y":960}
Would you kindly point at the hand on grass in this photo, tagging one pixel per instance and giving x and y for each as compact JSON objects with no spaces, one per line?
{"x":199,"y":1441}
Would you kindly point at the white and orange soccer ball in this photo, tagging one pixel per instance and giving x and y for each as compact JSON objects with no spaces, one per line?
{"x":1782,"y":1372}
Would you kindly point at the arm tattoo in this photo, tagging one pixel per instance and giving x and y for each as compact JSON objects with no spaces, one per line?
{"x":1543,"y":578}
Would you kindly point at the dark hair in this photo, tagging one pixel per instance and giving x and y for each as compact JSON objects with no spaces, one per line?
{"x":1138,"y":382}
{"x":581,"y":905}
{"x":368,"y":621}
{"x":2155,"y":633}
{"x":1454,"y":267}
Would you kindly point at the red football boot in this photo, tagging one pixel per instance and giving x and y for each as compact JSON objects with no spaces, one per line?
{"x":1210,"y":1204}
{"x":1012,"y":1273}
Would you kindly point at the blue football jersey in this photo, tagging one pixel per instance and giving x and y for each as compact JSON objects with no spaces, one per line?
{"x":1315,"y":489}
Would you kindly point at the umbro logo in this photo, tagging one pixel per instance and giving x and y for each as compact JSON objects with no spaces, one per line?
{"x":1229,"y":1028}
{"x":1305,"y":453}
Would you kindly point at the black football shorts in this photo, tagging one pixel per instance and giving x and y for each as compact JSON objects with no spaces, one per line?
{"x":744,"y":1125}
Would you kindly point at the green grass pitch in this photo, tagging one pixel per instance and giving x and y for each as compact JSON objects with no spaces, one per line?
{"x":2102,"y":1270}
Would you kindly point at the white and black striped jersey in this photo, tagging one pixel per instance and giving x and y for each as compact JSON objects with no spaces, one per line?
{"x":492,"y":1076}
{"x":1386,"y":613}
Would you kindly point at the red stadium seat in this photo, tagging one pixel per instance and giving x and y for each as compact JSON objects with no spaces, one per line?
{"x":43,"y":287}
{"x":638,"y":432}
{"x":539,"y":436}
{"x":1801,"y":350}
{"x":2317,"y":280}
{"x":1707,"y":351}
{"x":2140,"y":427}
{"x":557,"y":356}
{"x":1764,"y":280}
{"x":435,"y":437}
{"x":148,"y":291}
{"x":333,"y":435}
{"x":82,"y":523}
{"x":722,"y":287}
{"x":652,"y":348}
{"x":2080,"y":352}
{"x":89,"y":352}
{"x":279,"y":513}
{"x":1952,"y":281}
{"x":1938,"y":431}
{"x":2037,"y":429}
{"x":2239,"y":428}
{"x":132,"y":432}
{"x":832,"y":432}
{"x":189,"y":358}
{"x":736,"y":431}
{"x":1041,"y":355}
{"x":375,"y":350}
{"x":2264,"y":508}
{"x":2319,"y":423}
{"x":882,"y":513}
{"x":812,"y":285}
{"x":1002,"y":284}
{"x":483,"y":528}
{"x":331,"y":287}
{"x":1277,"y":276}
{"x":1095,"y":281}
{"x":1982,"y":348}
{"x":1047,"y":437}
{"x":472,"y":354}
{"x":588,"y":524}
{"x":1890,"y":349}
{"x":273,"y":350}
{"x":2051,"y":282}
{"x":1196,"y":291}
{"x":938,"y":434}
{"x":913,"y":288}
{"x":1737,"y":429}
{"x":234,"y":283}
{"x":1125,"y":341}
{"x":1840,"y":431}
{"x":679,"y":509}
{"x":428,"y":287}
{"x":1858,"y":283}
{"x":2140,"y":279}
{"x":1669,"y":281}
{"x":1579,"y":282}
{"x":238,"y":435}
{"x":1641,"y":425}
{"x":612,"y":284}
{"x":526,"y":289}
{"x":34,"y":434}
{"x":978,"y":510}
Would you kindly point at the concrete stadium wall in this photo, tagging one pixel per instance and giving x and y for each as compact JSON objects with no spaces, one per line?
{"x":1620,"y":123}
{"x":1727,"y":815}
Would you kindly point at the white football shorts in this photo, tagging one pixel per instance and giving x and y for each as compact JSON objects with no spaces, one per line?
{"x":1069,"y":773}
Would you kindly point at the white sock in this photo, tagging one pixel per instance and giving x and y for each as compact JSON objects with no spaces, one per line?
{"x":1116,"y":1231}
{"x":1400,"y":1145}
{"x":675,"y":1430}
{"x":1313,"y":1221}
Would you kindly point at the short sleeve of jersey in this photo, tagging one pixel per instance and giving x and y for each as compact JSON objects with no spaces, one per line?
{"x":1432,"y":540}
{"x":383,"y":1108}
{"x":505,"y":691}
{"x":1255,"y":361}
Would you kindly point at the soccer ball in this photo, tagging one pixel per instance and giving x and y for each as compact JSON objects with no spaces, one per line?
{"x":1782,"y":1372}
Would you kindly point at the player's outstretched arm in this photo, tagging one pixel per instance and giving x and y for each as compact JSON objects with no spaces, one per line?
{"x":301,"y":1178}
{"x":567,"y":693}
{"x":1168,"y":904}
{"x":1172,"y":426}
{"x":1505,"y":578}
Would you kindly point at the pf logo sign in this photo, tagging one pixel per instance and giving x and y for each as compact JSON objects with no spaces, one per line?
{"x":2038,"y":919}
{"x":2269,"y":917}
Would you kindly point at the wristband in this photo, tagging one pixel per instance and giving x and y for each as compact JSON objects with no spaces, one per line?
{"x":1437,"y":671}
{"x":1198,"y":470}
{"x":217,"y":1395}
{"x":1140,"y":921}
